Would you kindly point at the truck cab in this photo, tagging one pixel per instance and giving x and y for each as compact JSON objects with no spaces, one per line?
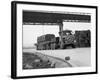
{"x":67,"y":38}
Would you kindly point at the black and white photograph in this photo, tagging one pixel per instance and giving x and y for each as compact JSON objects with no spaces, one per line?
{"x":54,"y":39}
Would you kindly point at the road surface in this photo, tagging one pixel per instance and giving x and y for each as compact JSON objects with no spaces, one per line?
{"x":79,"y":57}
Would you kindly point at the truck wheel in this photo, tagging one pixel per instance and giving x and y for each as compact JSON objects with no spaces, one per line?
{"x":73,"y":46}
{"x":63,"y":47}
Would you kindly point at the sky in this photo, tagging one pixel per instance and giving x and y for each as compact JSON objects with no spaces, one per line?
{"x":31,"y":32}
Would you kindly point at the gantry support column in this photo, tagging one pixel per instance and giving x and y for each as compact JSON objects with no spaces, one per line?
{"x":61,"y":34}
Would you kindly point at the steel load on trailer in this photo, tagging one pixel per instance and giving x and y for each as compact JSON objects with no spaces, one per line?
{"x":83,"y":38}
{"x":43,"y":42}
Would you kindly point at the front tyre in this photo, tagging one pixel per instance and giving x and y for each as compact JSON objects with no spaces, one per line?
{"x":73,"y":46}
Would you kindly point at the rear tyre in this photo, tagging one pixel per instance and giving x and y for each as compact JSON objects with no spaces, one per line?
{"x":73,"y":46}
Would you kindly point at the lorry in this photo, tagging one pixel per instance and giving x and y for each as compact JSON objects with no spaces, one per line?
{"x":65,"y":40}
